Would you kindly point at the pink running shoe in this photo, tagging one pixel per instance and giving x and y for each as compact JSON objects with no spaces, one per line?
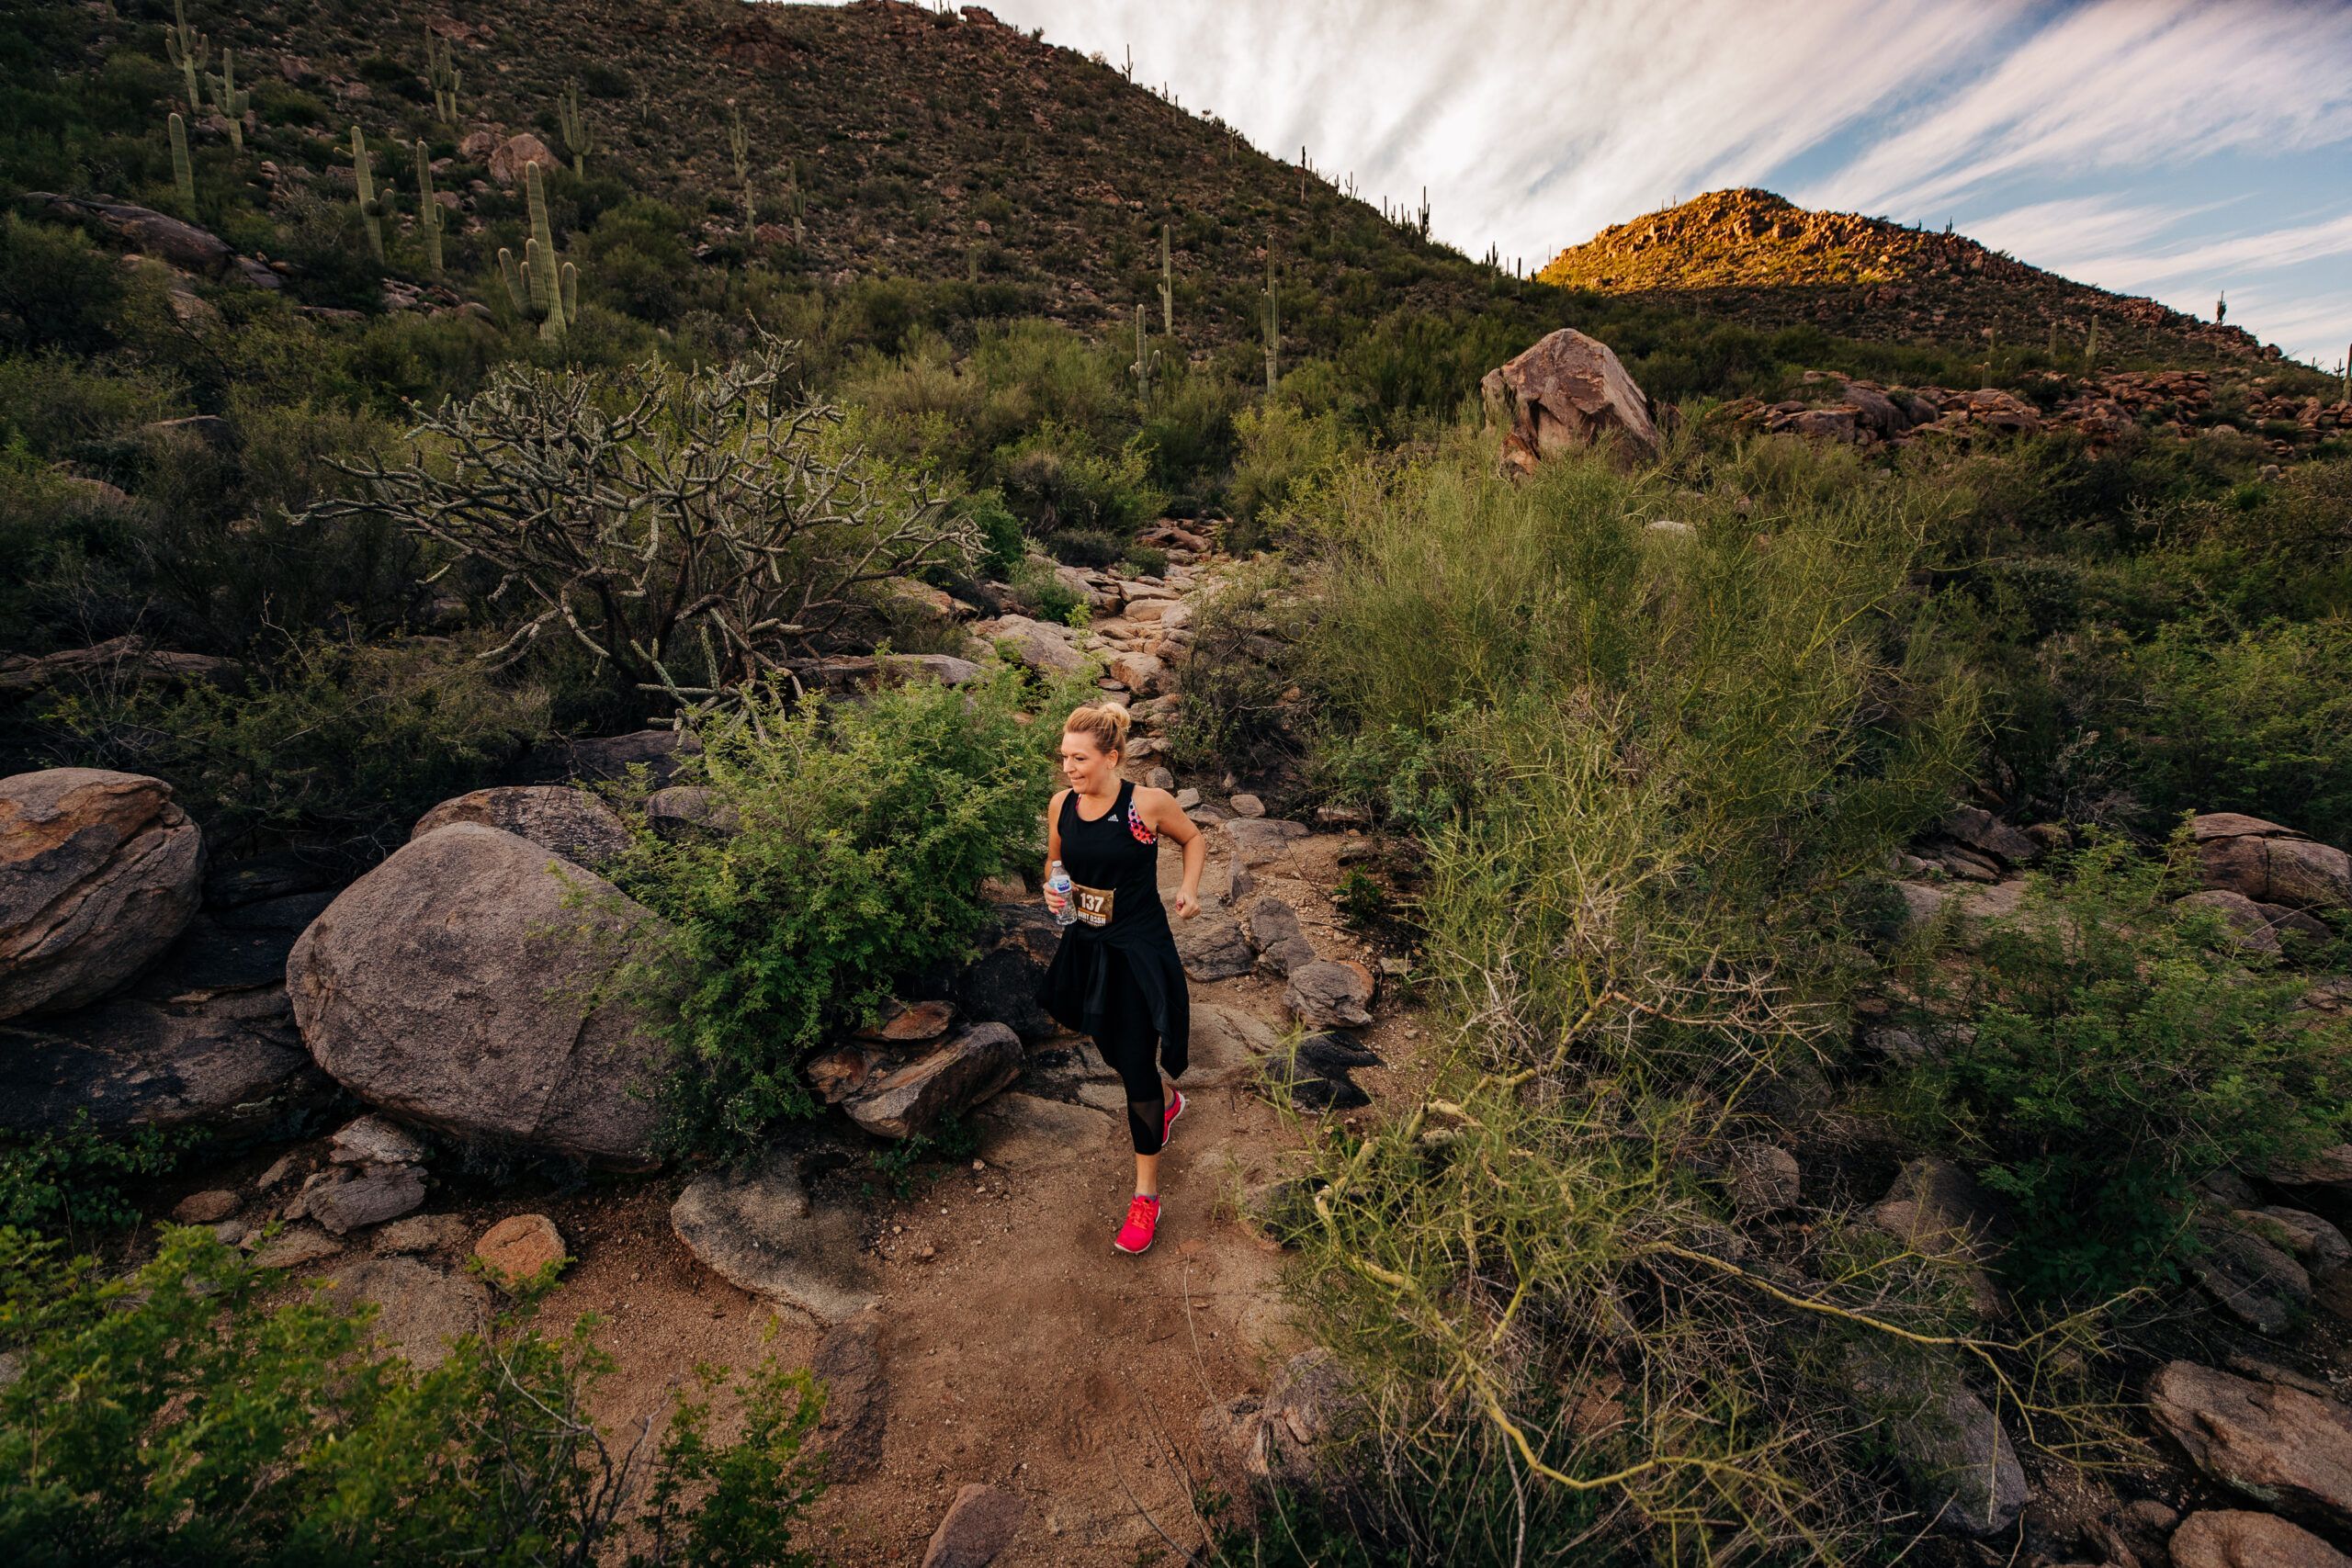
{"x":1143,"y":1219}
{"x":1173,"y":1111}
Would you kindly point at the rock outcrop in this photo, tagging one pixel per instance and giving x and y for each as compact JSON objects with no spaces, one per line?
{"x":98,"y":872}
{"x":1566,"y":392}
{"x":454,"y":988}
{"x":2230,"y":1538}
{"x":2281,"y":1446}
{"x":2271,"y":865}
{"x":205,"y":1037}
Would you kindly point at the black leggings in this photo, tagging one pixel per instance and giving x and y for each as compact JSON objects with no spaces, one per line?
{"x":1134,"y":1057}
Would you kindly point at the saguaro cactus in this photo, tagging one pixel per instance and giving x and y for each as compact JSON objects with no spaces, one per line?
{"x":543,"y":290}
{"x":1167,"y":287}
{"x":1424,"y":224}
{"x":229,"y":98}
{"x":2090,"y":346}
{"x":428,"y":211}
{"x":1147,"y":360}
{"x":578,"y":134}
{"x":373,"y":205}
{"x":442,"y":74}
{"x":795,"y":201}
{"x":189,"y":50}
{"x":1273,"y":317}
{"x":739,"y":141}
{"x":182,"y":171}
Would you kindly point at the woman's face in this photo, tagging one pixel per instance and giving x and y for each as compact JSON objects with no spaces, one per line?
{"x":1086,"y":767}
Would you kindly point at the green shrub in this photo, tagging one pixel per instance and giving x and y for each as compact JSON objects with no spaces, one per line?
{"x":72,"y":1182}
{"x":2106,"y":1049}
{"x":176,"y":1416}
{"x":56,"y":288}
{"x":342,"y":739}
{"x":2258,"y":721}
{"x":1282,"y":449}
{"x":1042,"y":591}
{"x":1058,"y":485}
{"x":864,"y":832}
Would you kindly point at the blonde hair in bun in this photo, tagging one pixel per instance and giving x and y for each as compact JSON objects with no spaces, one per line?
{"x":1105,"y":723}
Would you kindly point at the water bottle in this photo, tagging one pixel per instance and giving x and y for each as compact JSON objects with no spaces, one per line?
{"x":1059,"y":882}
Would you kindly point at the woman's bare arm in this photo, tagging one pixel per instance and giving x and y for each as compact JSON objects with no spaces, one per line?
{"x":1162,"y":814}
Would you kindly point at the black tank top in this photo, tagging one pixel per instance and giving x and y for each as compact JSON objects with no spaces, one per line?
{"x":1119,"y":855}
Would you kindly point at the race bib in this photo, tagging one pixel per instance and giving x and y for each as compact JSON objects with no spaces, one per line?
{"x":1092,"y":904}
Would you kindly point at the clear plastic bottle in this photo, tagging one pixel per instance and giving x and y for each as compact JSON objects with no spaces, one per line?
{"x":1059,"y":880}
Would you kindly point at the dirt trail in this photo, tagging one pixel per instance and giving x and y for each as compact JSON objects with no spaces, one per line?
{"x":1019,"y":1349}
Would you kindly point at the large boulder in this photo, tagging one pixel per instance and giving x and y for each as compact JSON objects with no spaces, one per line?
{"x":453,"y":987}
{"x":1040,"y":645}
{"x":2286,"y":1448}
{"x":2271,"y":865}
{"x":99,"y":872}
{"x":518,"y":152}
{"x":204,"y":1038}
{"x":570,"y":822}
{"x":757,"y":1230}
{"x":1566,"y":392}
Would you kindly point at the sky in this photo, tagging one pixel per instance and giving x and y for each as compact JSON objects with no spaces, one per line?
{"x":2173,"y":148}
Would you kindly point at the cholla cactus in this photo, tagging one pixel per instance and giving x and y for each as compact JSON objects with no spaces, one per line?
{"x":442,"y":74}
{"x":182,"y":171}
{"x":373,"y":205}
{"x":229,"y":98}
{"x":543,"y":290}
{"x":428,"y":211}
{"x":189,"y":50}
{"x":577,"y":133}
{"x":739,"y":141}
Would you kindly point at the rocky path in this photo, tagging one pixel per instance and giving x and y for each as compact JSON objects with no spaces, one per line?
{"x":1007,"y":1344}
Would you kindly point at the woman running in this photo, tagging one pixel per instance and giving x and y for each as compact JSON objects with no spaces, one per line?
{"x":1116,"y":976}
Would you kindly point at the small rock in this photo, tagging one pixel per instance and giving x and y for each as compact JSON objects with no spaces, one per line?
{"x":204,"y":1208}
{"x":1160,"y":778}
{"x":1763,"y":1178}
{"x":1213,"y":948}
{"x":372,"y":1140}
{"x":1952,"y":1450}
{"x":910,"y":1023}
{"x":1325,"y":995}
{"x":2319,"y":1246}
{"x":1187,"y":798}
{"x":421,"y":1233}
{"x":294,"y":1246}
{"x":518,"y":1247}
{"x":347,"y":1198}
{"x":1248,"y":805}
{"x":979,"y":1524}
{"x":2225,"y":1538}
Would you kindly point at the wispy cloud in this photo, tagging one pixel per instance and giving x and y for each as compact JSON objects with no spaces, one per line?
{"x":2055,"y":131}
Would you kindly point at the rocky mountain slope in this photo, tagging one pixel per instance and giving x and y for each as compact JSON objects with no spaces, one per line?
{"x":1754,"y":255}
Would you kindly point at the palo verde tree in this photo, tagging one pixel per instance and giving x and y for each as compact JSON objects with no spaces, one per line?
{"x":695,"y":533}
